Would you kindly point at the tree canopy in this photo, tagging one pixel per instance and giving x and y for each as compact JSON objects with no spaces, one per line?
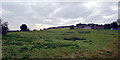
{"x":24,"y":27}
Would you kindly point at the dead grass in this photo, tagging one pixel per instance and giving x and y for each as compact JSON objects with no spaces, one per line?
{"x":109,"y":51}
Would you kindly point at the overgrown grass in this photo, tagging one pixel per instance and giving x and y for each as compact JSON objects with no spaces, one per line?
{"x":56,"y":43}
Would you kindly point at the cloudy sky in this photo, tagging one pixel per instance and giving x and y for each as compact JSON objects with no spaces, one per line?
{"x":38,"y":15}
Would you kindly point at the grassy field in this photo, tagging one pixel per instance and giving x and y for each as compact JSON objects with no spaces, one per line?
{"x":61,"y":43}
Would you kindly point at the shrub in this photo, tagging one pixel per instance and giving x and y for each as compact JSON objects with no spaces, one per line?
{"x":74,"y":46}
{"x":6,"y":58}
{"x":66,"y":53}
{"x":71,"y":27}
{"x":23,"y":49}
{"x":19,"y":44}
{"x":84,"y":32}
{"x":13,"y":54}
{"x":38,"y":43}
{"x":46,"y":40}
{"x":74,"y":39}
{"x":26,"y":56}
{"x":19,"y":40}
{"x":88,"y":41}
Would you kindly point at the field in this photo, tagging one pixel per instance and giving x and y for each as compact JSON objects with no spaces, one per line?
{"x":61,"y":43}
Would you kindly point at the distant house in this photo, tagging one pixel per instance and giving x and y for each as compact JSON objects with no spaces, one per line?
{"x":88,"y":27}
{"x":84,"y":26}
{"x":80,"y":26}
{"x":96,"y":26}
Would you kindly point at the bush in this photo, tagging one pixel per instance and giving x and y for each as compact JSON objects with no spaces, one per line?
{"x":23,"y":49}
{"x":6,"y":58}
{"x":74,"y":39}
{"x":66,"y":53}
{"x":88,"y":41}
{"x":47,"y":40}
{"x":71,"y":27}
{"x":26,"y":56}
{"x":84,"y":32}
{"x":19,"y":44}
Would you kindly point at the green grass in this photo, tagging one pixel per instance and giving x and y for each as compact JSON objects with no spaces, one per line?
{"x":56,"y":43}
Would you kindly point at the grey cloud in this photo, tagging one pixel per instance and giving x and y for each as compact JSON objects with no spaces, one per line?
{"x":39,"y":13}
{"x":58,"y":0}
{"x":104,"y":10}
{"x":73,"y":10}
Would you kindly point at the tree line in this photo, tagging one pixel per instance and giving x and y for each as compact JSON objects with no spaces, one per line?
{"x":4,"y":27}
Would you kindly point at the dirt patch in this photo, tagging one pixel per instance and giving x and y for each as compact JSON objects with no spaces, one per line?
{"x":109,"y":51}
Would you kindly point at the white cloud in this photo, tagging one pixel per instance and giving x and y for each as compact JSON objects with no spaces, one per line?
{"x":47,"y":14}
{"x":110,"y":16}
{"x":0,"y":12}
{"x":114,"y":7}
{"x":41,"y":26}
{"x":58,"y":0}
{"x":72,"y":21}
{"x":5,"y":11}
{"x":90,"y":4}
{"x":48,"y":20}
{"x":55,"y":11}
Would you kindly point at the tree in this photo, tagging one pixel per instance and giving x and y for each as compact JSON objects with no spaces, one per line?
{"x":4,"y":27}
{"x":71,"y":27}
{"x":114,"y":25}
{"x":107,"y":26}
{"x":24,"y":27}
{"x":34,"y":29}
